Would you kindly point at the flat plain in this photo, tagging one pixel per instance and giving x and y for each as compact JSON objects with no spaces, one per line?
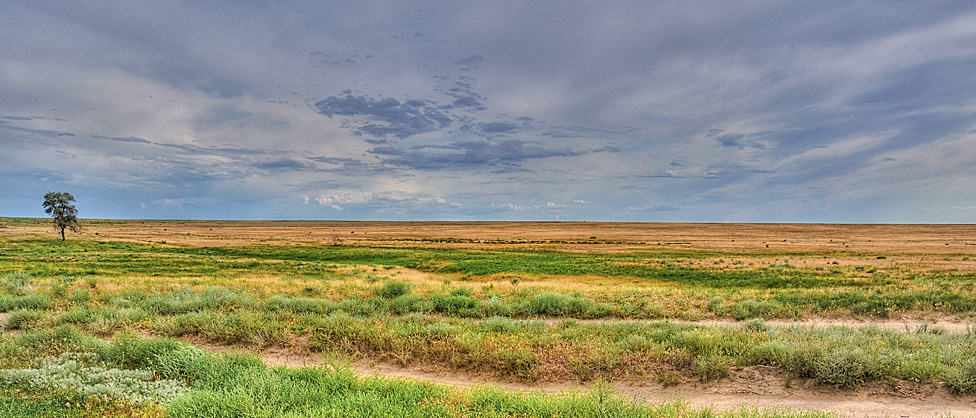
{"x":556,"y":318}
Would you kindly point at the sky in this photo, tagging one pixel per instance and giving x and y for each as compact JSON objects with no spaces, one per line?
{"x":656,"y":111}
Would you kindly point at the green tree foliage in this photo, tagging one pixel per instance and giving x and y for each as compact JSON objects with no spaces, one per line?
{"x":58,"y":205}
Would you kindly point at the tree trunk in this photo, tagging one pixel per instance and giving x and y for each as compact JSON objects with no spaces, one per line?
{"x":62,"y":234}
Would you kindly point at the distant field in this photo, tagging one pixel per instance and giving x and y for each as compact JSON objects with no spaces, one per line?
{"x":579,"y":236}
{"x":657,"y":306}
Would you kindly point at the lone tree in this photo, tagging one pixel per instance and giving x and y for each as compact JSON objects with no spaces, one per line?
{"x":58,"y":205}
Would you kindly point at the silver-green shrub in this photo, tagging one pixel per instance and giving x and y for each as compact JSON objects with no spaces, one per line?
{"x":72,"y":374}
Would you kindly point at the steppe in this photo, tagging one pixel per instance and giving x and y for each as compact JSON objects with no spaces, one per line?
{"x":856,"y":320}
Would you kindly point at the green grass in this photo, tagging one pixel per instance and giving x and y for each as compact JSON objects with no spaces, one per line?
{"x":46,"y":258}
{"x":747,"y":293}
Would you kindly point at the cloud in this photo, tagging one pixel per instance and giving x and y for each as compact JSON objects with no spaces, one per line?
{"x":507,"y":206}
{"x":129,"y":139}
{"x":387,"y":200}
{"x":335,"y":200}
{"x":497,"y":127}
{"x":731,"y":140}
{"x":469,"y":63}
{"x":546,"y":207}
{"x":165,"y":203}
{"x":464,"y":95}
{"x":506,"y":154}
{"x":284,"y":163}
{"x":398,"y":119}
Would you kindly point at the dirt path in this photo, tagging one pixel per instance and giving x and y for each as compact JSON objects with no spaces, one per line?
{"x":912,"y":325}
{"x":750,"y":387}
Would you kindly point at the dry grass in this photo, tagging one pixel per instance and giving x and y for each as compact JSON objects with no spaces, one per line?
{"x":573,"y":236}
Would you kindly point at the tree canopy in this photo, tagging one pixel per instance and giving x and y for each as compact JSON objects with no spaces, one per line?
{"x":58,"y":205}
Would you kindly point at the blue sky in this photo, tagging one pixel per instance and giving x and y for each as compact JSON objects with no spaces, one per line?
{"x":765,"y":111}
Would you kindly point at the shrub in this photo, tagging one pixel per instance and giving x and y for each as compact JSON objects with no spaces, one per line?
{"x":186,"y":300}
{"x":635,"y":342}
{"x":712,"y":367}
{"x":501,"y":324}
{"x":128,"y":351}
{"x":34,"y":301}
{"x":520,"y":364}
{"x":406,"y":304}
{"x":365,"y":308}
{"x":281,"y":303}
{"x":757,"y":325}
{"x":23,"y":319}
{"x":462,"y":291}
{"x":962,"y":380}
{"x":59,"y":287}
{"x":184,"y":362}
{"x":51,"y":342}
{"x":17,"y":283}
{"x":76,"y":316}
{"x":80,"y":296}
{"x":751,"y":309}
{"x":71,"y":375}
{"x":456,"y":305}
{"x":843,"y":368}
{"x":552,"y":304}
{"x":392,"y":289}
{"x":495,"y":306}
{"x":716,"y":305}
{"x":443,"y":329}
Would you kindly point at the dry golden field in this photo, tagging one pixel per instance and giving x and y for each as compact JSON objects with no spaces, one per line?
{"x":891,"y":239}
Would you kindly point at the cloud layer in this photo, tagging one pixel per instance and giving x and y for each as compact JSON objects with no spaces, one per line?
{"x":627,"y":110}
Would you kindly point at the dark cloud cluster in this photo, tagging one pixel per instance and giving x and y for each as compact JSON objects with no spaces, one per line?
{"x":388,"y":116}
{"x":499,"y":155}
{"x":464,"y":95}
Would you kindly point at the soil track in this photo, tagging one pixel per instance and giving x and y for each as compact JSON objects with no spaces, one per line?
{"x":750,"y":387}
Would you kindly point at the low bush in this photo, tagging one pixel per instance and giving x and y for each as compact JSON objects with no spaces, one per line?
{"x":392,"y":289}
{"x":962,"y":379}
{"x":23,"y":319}
{"x":17,"y":283}
{"x":455,"y":305}
{"x":406,"y":304}
{"x":282,"y":303}
{"x":755,"y":309}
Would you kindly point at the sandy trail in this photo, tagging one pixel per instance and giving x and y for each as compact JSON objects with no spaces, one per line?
{"x":749,"y":387}
{"x":911,"y":325}
{"x":752,"y":387}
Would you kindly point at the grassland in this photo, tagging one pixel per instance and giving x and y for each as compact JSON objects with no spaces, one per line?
{"x":534,"y":305}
